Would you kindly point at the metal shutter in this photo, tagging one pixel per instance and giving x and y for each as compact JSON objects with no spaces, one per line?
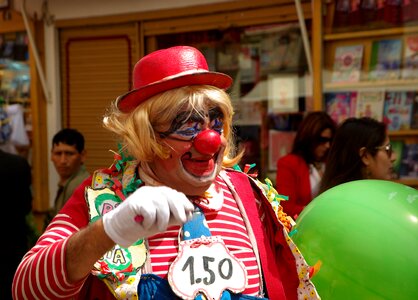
{"x":96,"y":68}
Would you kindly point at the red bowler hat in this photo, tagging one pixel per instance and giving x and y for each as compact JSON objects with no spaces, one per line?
{"x":166,"y":69}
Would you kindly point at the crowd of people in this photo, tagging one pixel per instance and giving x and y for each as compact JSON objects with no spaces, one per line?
{"x":148,"y":226}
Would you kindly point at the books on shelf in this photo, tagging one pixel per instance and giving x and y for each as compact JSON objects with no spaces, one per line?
{"x":347,"y":63}
{"x":397,"y":109}
{"x":409,"y":162}
{"x":340,"y":105}
{"x":410,"y":57}
{"x":370,"y":104}
{"x":385,"y":60}
{"x":280,"y":144}
{"x":406,"y":164}
{"x":414,"y":113}
{"x":397,"y":147}
{"x":390,"y":59}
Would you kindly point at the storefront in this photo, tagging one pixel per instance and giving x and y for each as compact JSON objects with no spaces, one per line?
{"x":262,"y":44}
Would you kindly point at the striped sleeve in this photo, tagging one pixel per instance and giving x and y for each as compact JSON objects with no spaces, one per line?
{"x":42,"y":272}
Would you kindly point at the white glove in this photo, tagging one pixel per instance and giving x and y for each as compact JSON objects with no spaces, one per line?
{"x":158,"y":207}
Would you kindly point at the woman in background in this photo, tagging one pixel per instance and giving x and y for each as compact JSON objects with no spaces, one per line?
{"x":361,"y":150}
{"x":299,"y":172}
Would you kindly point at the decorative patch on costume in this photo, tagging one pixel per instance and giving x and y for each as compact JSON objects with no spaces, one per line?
{"x":116,"y":263}
{"x":129,"y":173}
{"x":204,"y":265}
{"x":99,"y":180}
{"x":119,"y":268}
{"x":100,"y":201}
{"x":213,"y":199}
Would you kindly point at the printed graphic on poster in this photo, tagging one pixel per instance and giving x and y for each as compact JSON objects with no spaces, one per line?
{"x":370,"y":104}
{"x":397,"y":109}
{"x":414,"y":114}
{"x":410,"y":62}
{"x":397,"y":147}
{"x":347,"y":63}
{"x":341,"y":105}
{"x":280,"y":144}
{"x":385,"y":61}
{"x":283,"y":93}
{"x":409,"y":162}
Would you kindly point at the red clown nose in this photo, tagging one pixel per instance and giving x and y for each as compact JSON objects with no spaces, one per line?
{"x":207,"y":142}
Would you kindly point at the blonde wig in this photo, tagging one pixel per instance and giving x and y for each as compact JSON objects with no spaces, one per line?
{"x":138,"y":130}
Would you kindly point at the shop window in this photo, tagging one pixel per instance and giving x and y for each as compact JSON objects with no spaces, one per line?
{"x":15,"y":93}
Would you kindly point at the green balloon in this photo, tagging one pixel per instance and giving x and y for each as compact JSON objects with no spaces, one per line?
{"x":365,"y":233}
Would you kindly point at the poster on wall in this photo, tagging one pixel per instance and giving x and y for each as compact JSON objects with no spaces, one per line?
{"x":280,"y":144}
{"x":283,"y":93}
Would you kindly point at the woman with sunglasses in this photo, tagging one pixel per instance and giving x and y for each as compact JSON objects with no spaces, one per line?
{"x":299,"y":172}
{"x":361,"y":150}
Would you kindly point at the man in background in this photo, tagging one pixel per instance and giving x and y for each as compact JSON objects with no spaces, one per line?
{"x":68,"y":155}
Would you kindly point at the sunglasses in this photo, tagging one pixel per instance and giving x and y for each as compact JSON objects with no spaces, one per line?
{"x":323,"y":140}
{"x":387,"y":148}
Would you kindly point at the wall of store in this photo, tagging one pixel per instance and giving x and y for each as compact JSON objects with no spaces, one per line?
{"x":64,"y":9}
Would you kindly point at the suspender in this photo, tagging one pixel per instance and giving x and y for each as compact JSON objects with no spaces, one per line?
{"x":271,"y":274}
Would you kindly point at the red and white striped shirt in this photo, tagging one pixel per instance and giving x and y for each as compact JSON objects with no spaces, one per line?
{"x":226,"y":223}
{"x":42,"y":273}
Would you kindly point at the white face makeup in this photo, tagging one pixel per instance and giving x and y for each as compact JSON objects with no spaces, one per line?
{"x":192,"y":168}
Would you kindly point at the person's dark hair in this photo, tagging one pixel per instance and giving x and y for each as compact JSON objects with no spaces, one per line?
{"x":344,"y":163}
{"x":71,"y":137}
{"x":309,"y":133}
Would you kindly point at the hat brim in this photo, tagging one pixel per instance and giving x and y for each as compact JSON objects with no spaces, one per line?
{"x":133,"y":98}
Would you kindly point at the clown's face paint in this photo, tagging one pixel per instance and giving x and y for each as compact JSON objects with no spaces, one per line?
{"x":188,"y":170}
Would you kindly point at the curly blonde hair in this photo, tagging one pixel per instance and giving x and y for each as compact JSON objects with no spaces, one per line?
{"x":137,"y":129}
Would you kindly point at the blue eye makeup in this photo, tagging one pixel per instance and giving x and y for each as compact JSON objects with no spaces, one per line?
{"x":188,"y":131}
{"x":186,"y":126}
{"x":217,"y":125}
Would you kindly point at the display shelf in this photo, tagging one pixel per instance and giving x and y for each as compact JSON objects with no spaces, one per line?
{"x":331,"y":41}
{"x":405,"y":133}
{"x":393,"y":85}
{"x":374,"y":33}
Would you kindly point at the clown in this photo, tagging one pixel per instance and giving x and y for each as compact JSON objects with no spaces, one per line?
{"x":171,"y":218}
